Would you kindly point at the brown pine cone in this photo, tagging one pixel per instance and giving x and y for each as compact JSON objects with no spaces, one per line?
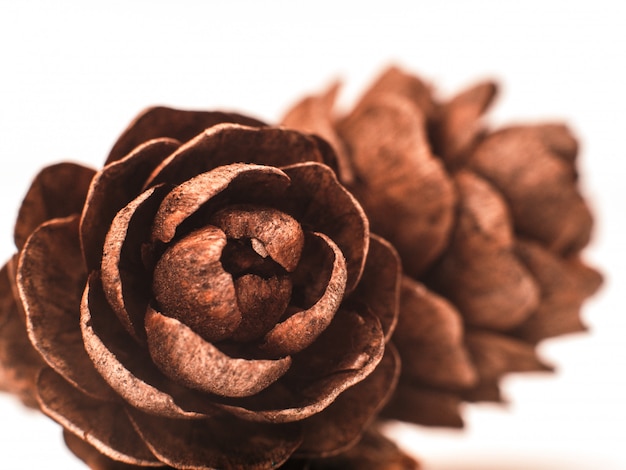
{"x":489,"y":226}
{"x":211,"y":298}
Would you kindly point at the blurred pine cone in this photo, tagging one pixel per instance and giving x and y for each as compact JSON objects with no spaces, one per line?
{"x":211,"y":298}
{"x":490,"y":225}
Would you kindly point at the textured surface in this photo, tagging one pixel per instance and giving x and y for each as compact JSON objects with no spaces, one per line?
{"x":479,"y":218}
{"x":197,"y":303}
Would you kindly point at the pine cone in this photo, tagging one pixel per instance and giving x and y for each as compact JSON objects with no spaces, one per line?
{"x":489,"y":225}
{"x":211,"y":298}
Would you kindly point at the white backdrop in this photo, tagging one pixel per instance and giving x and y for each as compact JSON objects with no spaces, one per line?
{"x":73,"y":74}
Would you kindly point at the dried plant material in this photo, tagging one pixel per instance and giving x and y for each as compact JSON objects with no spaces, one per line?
{"x":19,"y":362}
{"x":490,"y":226}
{"x":479,"y":272}
{"x":98,"y":422}
{"x":373,"y":452}
{"x":432,"y":328}
{"x":92,"y":456}
{"x":380,"y":137}
{"x":544,"y":200}
{"x":211,"y":298}
{"x":49,"y":197}
{"x":459,"y":123}
{"x":345,"y":418}
{"x":53,"y":252}
{"x":565,"y":285}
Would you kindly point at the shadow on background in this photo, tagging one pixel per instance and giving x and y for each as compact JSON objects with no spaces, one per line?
{"x":517,"y":463}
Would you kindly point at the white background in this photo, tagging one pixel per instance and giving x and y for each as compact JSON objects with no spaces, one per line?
{"x":72,"y":75}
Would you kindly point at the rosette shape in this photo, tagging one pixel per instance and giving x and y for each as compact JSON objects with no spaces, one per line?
{"x":211,"y":298}
{"x":489,"y":224}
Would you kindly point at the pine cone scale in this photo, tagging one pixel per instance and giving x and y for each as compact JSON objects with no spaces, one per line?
{"x":462,"y":234}
{"x":144,"y":374}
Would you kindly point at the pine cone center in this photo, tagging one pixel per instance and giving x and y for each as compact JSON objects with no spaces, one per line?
{"x":230,"y":279}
